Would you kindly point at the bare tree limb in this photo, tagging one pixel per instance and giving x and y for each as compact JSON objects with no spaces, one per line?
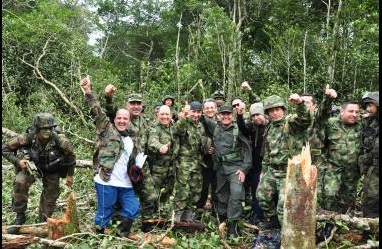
{"x":39,"y":75}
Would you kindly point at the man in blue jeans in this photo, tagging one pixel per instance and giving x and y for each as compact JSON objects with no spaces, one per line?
{"x":116,"y":151}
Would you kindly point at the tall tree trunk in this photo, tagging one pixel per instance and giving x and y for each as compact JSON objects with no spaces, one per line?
{"x":299,"y":221}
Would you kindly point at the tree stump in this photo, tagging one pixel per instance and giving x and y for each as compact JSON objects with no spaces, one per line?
{"x":299,"y":221}
{"x":68,"y":224}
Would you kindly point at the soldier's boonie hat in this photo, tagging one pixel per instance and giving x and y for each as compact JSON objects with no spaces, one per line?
{"x":168,"y":97}
{"x":44,"y":120}
{"x":219,"y":94}
{"x":226,"y":109}
{"x":257,"y":108}
{"x":134,"y":97}
{"x":196,"y":105}
{"x":370,"y":97}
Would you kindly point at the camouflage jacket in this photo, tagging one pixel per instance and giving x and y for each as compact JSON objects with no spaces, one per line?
{"x":369,"y":145}
{"x":342,"y":144}
{"x":139,"y":127}
{"x":56,"y":156}
{"x":158,"y":136}
{"x":285,"y":138}
{"x":191,"y":137}
{"x":109,"y":141}
{"x":316,"y":130}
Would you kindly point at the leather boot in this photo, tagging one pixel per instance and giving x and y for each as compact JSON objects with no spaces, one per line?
{"x":233,"y":229}
{"x":272,"y":223}
{"x":20,"y":219}
{"x":125,"y":227}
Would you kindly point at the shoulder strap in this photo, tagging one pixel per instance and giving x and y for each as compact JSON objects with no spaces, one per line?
{"x":235,"y":135}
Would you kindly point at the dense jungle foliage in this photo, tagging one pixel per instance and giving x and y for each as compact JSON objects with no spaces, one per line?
{"x":159,"y":47}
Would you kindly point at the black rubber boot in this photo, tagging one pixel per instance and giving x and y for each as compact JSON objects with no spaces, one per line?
{"x":187,"y":216}
{"x":20,"y":219}
{"x":233,"y":230}
{"x":272,"y":223}
{"x":99,"y":230}
{"x":125,"y":227}
{"x":222,"y":218}
{"x":327,"y":230}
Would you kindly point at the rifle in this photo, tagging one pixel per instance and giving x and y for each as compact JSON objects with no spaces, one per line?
{"x":31,"y":166}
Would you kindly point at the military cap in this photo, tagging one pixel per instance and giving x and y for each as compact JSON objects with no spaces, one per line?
{"x":273,"y":101}
{"x":134,"y":97}
{"x":196,"y":105}
{"x":226,"y":108}
{"x":256,"y":108}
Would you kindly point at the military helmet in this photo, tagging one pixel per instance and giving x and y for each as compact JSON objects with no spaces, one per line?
{"x":370,"y":97}
{"x":219,"y":94}
{"x":273,"y":101}
{"x":44,"y":120}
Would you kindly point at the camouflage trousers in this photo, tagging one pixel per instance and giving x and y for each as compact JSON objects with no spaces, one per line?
{"x":188,"y":184}
{"x":163,"y":178}
{"x":338,"y":188}
{"x":271,"y":188}
{"x":370,"y":197}
{"x":48,"y":198}
{"x":147,"y":194}
{"x":230,"y":194}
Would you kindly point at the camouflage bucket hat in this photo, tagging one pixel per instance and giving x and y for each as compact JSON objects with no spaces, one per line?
{"x":168,"y":97}
{"x":44,"y":120}
{"x":134,"y":97}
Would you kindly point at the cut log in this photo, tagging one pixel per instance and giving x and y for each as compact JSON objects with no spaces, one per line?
{"x":68,"y":224}
{"x":299,"y":220}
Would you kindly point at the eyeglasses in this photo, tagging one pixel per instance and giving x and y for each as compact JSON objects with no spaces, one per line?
{"x":235,"y":105}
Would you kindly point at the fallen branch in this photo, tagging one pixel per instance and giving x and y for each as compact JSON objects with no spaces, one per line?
{"x":8,"y":132}
{"x":21,"y":241}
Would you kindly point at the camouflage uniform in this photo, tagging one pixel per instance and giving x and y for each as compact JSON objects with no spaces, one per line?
{"x":341,"y":167}
{"x":369,"y":159}
{"x":284,"y":138}
{"x":188,"y":176}
{"x":54,"y":160}
{"x":316,"y":139}
{"x":162,"y":166}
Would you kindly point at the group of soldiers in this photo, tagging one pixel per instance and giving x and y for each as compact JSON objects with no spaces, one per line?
{"x":208,"y":148}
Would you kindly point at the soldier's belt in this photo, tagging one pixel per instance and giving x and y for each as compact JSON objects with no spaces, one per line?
{"x":227,"y":157}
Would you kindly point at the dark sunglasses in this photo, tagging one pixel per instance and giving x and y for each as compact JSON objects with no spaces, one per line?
{"x":235,"y":105}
